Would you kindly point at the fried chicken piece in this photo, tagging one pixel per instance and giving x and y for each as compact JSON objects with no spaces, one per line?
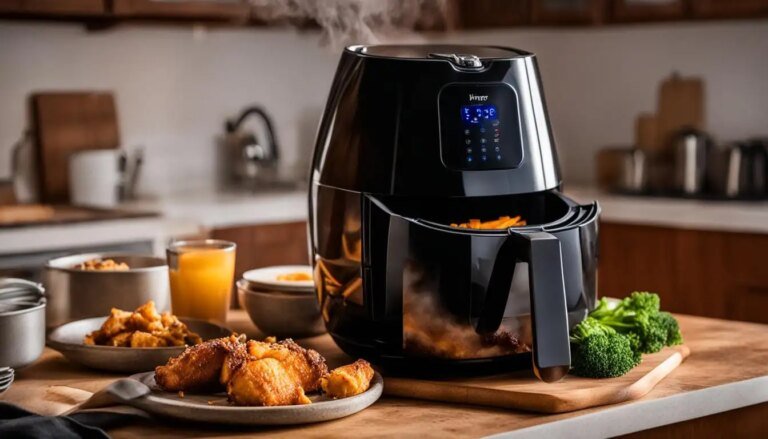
{"x":266,"y":382}
{"x":157,"y":330}
{"x":140,"y":339}
{"x":175,"y":332}
{"x":146,"y":318}
{"x":306,"y":366}
{"x":198,"y":367}
{"x":350,"y":380}
{"x":114,"y":325}
{"x":122,"y":339}
{"x":233,"y":362}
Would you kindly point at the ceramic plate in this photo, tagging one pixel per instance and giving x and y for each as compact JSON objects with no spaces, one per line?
{"x":68,"y":339}
{"x":266,"y":278}
{"x":214,"y":408}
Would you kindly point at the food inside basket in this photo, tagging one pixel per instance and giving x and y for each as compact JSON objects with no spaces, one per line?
{"x":503,"y":222}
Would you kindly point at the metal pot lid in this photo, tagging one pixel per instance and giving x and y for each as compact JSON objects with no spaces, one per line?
{"x":440,"y":51}
{"x":18,"y":294}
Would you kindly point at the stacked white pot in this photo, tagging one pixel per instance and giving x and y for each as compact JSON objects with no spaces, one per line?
{"x":22,"y":326}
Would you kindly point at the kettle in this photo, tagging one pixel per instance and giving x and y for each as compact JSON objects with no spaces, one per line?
{"x":692,"y":149}
{"x":741,"y":171}
{"x":247,"y":158}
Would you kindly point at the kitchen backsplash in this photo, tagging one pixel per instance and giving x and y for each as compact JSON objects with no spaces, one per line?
{"x":175,"y":86}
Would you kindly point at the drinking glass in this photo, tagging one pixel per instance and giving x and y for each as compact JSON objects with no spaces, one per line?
{"x":201,"y":276}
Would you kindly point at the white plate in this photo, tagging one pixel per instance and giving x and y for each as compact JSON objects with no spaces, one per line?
{"x":68,"y":339}
{"x":196,"y":407}
{"x":267,"y":278}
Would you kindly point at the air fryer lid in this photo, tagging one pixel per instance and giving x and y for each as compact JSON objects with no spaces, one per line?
{"x":430,"y":51}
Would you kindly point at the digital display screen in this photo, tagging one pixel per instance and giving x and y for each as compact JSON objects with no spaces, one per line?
{"x":474,"y":114}
{"x":486,"y":135}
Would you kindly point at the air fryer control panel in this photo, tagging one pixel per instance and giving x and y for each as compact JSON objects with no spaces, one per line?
{"x":480,"y":127}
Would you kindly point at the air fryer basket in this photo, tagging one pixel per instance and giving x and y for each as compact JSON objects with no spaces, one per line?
{"x":448,"y":283}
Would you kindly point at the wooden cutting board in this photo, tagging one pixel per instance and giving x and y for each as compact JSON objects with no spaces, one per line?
{"x":681,"y":105}
{"x":67,"y":122}
{"x":521,"y":390}
{"x":24,"y":215}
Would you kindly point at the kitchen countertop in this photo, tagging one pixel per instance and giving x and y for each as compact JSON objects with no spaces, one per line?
{"x":189,"y":214}
{"x":729,"y":216}
{"x":215,"y":210}
{"x":184,"y":214}
{"x":710,"y":381}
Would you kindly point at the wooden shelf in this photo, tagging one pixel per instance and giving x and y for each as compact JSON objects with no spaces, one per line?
{"x":635,"y":11}
{"x":52,"y":8}
{"x":460,"y":14}
{"x":713,"y":9}
{"x":194,"y":10}
{"x":491,"y":13}
{"x":568,"y":12}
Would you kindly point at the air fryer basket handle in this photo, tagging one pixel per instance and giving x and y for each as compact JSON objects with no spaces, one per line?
{"x":549,"y":315}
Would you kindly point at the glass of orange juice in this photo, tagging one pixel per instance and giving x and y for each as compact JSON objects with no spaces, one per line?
{"x":201,"y":275}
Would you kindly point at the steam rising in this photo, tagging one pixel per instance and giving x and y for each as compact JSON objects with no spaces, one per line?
{"x":429,"y":329}
{"x":347,"y":22}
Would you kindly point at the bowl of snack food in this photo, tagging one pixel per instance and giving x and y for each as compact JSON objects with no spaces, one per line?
{"x":89,"y":285}
{"x":131,"y":341}
{"x":281,"y":313}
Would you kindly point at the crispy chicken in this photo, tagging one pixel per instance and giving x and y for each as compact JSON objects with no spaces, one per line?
{"x":234,"y":360}
{"x":350,"y":380}
{"x":273,"y":374}
{"x":306,"y":366}
{"x":198,"y":367}
{"x":268,"y":382}
{"x":263,"y":373}
{"x":143,"y":328}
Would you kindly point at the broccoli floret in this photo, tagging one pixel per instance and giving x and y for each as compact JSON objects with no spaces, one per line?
{"x":612,"y":339}
{"x":634,"y":343}
{"x":639,"y":314}
{"x":653,"y":334}
{"x":641,"y":302}
{"x":598,"y":351}
{"x":674,"y":337}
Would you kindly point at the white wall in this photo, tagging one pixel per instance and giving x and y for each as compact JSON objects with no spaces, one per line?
{"x":597,"y":80}
{"x":174,"y":90}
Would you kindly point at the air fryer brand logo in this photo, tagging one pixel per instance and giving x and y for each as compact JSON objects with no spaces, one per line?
{"x":479,"y":98}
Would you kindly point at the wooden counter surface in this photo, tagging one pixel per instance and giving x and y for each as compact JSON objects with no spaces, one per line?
{"x":727,"y":370}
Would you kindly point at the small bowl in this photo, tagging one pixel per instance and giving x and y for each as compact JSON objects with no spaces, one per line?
{"x":265,"y":279}
{"x":281,"y":314}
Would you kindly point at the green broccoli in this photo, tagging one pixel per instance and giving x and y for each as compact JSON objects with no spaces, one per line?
{"x":674,"y":337}
{"x":598,"y":351}
{"x":639,"y":314}
{"x":612,"y":339}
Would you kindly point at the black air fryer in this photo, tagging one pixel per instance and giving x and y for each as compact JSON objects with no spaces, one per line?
{"x":415,"y":141}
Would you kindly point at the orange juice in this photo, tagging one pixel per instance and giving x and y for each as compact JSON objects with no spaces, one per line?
{"x":201,"y":275}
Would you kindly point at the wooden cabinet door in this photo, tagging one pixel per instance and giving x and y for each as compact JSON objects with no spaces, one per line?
{"x":265,"y":245}
{"x":707,"y":273}
{"x":637,"y":258}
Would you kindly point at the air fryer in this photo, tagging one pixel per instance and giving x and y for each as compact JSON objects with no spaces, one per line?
{"x":414,"y":140}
